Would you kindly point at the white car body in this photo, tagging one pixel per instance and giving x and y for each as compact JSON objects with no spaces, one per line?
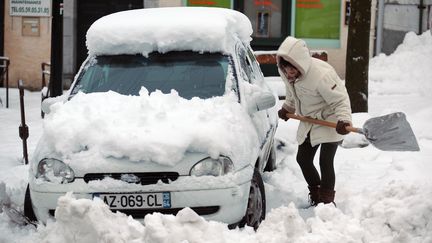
{"x":222,"y":198}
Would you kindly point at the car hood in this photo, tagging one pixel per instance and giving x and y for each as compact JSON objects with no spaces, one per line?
{"x":158,"y":128}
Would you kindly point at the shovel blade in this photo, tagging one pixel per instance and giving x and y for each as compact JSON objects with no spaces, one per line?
{"x":391,"y":132}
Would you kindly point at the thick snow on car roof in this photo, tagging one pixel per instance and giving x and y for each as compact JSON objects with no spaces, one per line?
{"x":167,"y":29}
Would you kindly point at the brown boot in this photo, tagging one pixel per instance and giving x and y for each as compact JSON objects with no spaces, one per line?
{"x":327,"y":196}
{"x":314,"y":195}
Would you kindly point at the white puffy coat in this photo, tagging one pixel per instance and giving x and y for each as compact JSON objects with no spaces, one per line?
{"x":318,"y":93}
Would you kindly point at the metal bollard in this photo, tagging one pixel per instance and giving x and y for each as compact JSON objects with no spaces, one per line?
{"x":23,"y":129}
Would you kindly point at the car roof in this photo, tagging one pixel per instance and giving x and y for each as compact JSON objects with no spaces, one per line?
{"x":143,"y":31}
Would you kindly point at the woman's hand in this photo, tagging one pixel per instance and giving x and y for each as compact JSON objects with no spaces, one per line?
{"x":341,"y":127}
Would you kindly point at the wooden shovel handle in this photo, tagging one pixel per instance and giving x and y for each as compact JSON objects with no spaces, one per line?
{"x":321,"y":122}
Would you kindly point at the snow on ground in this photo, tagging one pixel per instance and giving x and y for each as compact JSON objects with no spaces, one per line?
{"x":381,"y":196}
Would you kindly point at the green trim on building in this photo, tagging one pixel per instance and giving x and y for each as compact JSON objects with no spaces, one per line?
{"x":209,"y":3}
{"x":322,"y":43}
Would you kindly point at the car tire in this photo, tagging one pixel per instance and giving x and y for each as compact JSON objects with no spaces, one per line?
{"x":28,"y":207}
{"x":256,"y":206}
{"x":271,"y":161}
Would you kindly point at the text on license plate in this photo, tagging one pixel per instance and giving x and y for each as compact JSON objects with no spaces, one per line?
{"x":136,"y":200}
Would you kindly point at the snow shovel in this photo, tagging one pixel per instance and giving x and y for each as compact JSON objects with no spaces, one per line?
{"x":5,"y":206}
{"x":17,"y":216}
{"x":391,"y":132}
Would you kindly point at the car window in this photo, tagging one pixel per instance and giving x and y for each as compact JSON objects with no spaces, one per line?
{"x":191,"y":74}
{"x":246,"y":69}
{"x":255,"y":66}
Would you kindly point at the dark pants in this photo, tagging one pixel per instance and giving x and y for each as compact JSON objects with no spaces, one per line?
{"x":305,"y":157}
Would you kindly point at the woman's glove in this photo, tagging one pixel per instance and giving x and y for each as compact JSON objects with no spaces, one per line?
{"x":341,"y":127}
{"x":282,"y":113}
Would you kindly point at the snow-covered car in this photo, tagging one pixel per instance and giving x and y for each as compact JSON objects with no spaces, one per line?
{"x":170,"y":110}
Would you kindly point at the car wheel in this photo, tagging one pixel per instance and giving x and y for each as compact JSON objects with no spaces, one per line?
{"x":256,"y":207}
{"x":271,"y":161}
{"x":28,"y":208}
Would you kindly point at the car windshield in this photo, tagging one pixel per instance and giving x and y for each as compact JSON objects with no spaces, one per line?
{"x":191,"y":74}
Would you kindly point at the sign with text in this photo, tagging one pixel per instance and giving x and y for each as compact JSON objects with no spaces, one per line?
{"x":34,"y":8}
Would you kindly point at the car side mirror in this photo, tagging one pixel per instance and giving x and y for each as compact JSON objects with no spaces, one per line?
{"x":261,"y":101}
{"x":48,"y":102}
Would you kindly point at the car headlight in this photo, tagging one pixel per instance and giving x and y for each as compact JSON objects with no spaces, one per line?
{"x":214,"y":167}
{"x":54,"y":170}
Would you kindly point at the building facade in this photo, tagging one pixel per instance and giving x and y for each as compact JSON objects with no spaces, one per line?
{"x":26,"y":42}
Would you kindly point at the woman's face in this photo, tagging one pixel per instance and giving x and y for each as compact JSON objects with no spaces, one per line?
{"x":291,"y":73}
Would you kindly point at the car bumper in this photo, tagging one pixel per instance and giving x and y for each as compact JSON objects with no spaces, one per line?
{"x":225,"y":203}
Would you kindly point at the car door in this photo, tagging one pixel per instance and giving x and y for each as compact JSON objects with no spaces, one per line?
{"x":261,"y":119}
{"x":272,"y":118}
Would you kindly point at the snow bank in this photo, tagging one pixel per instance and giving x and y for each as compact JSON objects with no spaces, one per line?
{"x":405,"y":71}
{"x":89,"y":221}
{"x":166,"y":29}
{"x":396,"y":214}
{"x":401,"y":212}
{"x":153,"y":127}
{"x":83,"y":220}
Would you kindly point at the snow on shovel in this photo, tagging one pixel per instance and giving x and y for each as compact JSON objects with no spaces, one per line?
{"x":391,"y":132}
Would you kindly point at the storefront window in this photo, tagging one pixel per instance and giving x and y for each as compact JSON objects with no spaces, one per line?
{"x":266,"y":17}
{"x":318,"y":21}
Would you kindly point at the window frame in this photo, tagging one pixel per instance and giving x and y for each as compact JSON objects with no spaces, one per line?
{"x":285,"y":25}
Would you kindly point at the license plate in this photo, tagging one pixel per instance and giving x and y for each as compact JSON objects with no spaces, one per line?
{"x":136,"y":200}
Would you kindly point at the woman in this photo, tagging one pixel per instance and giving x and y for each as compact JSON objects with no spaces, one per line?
{"x":314,"y":89}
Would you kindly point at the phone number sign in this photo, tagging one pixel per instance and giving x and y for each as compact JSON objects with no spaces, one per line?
{"x":40,"y":8}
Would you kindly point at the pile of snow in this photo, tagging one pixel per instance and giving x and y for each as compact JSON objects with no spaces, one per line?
{"x":166,"y":29}
{"x":407,"y":70}
{"x":153,"y":127}
{"x":80,"y":220}
{"x":84,"y":220}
